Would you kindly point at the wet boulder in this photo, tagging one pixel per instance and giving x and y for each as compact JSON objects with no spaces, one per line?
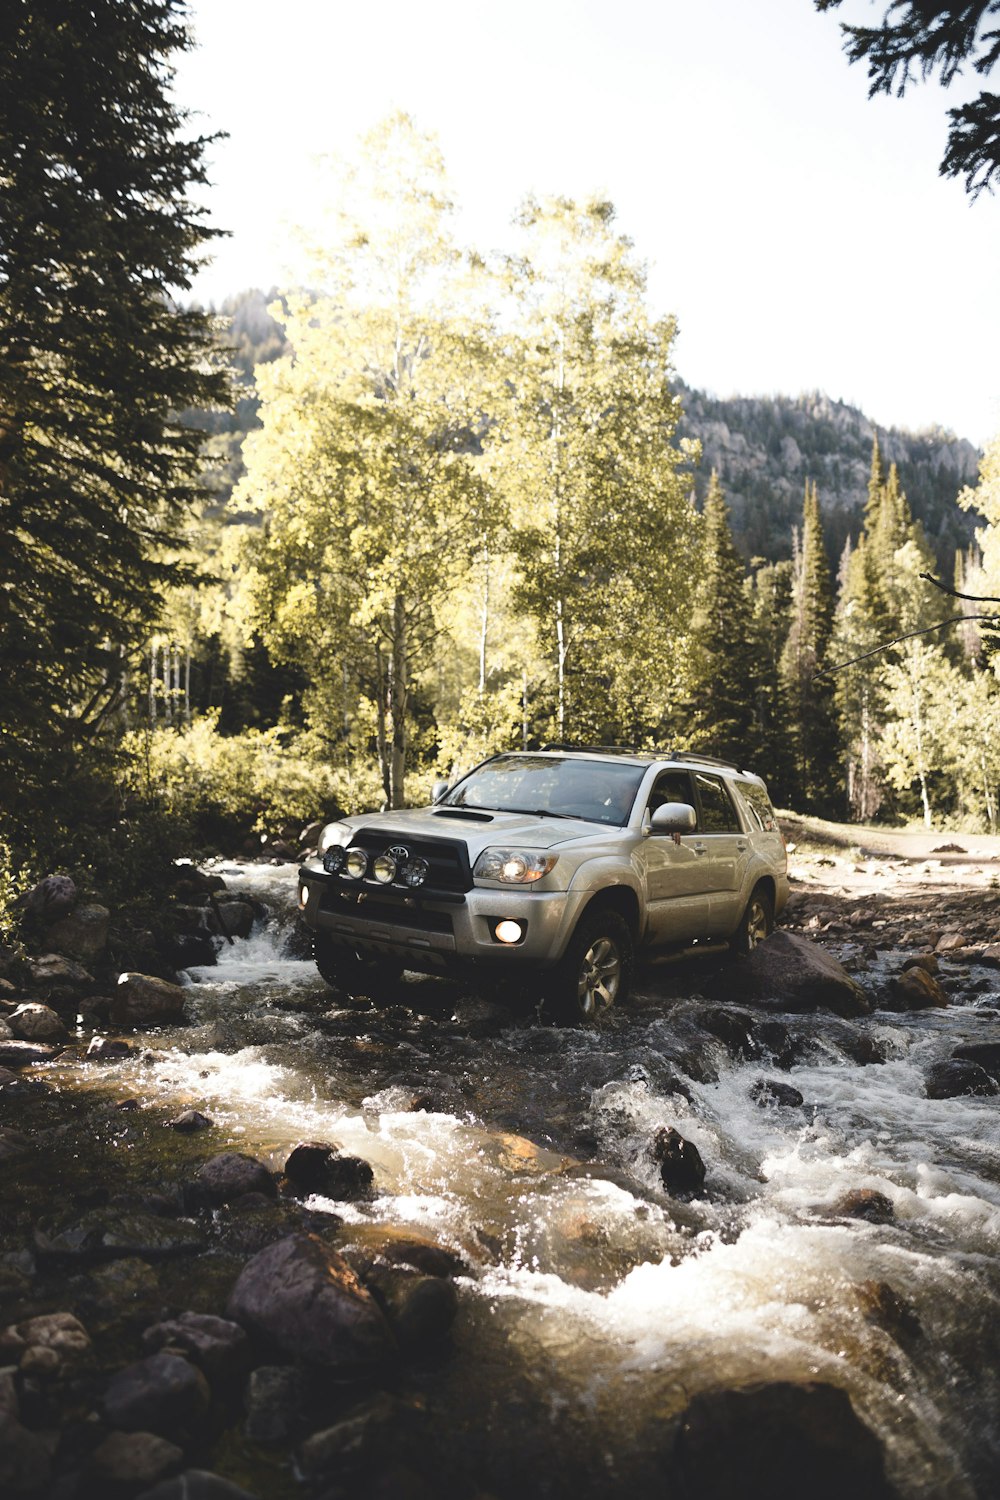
{"x":867,"y":1204}
{"x":113,"y":1234}
{"x":232,"y":917}
{"x":164,"y":1393}
{"x":219,"y":1347}
{"x":780,"y":1441}
{"x":916,"y":989}
{"x":143,"y":1000}
{"x":420,"y":1309}
{"x":60,"y":1333}
{"x":681,"y":1167}
{"x":132,"y":1460}
{"x":770,"y":1094}
{"x":192,"y":950}
{"x":958,"y":1076}
{"x":83,"y":934}
{"x":304,"y":1299}
{"x":274,"y":1401}
{"x":233,"y":1175}
{"x":196,"y":1484}
{"x":108,"y":1049}
{"x":34,"y":1022}
{"x":55,"y":975}
{"x":795,"y":973}
{"x":986,"y":1054}
{"x":318,"y":1167}
{"x":189,"y":1121}
{"x":22,"y":1054}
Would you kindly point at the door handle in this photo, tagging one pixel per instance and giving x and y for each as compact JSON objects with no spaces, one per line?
{"x":742,"y":845}
{"x":699,"y":848}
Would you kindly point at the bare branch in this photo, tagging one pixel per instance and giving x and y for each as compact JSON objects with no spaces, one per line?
{"x":887,"y":645}
{"x":975,"y":598}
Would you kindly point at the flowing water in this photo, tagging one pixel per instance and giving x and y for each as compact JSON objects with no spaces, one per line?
{"x":595,"y":1305}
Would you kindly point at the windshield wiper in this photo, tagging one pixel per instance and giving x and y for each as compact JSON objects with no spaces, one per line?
{"x":539,"y":812}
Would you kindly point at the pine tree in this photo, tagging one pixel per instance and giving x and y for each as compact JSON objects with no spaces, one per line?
{"x":718,"y":716}
{"x":812,"y":717}
{"x":769,"y":591}
{"x":96,"y":471}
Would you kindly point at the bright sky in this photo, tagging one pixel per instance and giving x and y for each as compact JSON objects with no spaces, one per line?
{"x":800,"y":232}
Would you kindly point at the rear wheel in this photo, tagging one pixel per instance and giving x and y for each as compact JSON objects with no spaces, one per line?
{"x":355,"y":974}
{"x":595,"y":972}
{"x":756,"y":923}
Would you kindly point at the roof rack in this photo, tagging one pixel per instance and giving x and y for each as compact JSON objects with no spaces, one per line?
{"x":597,"y":749}
{"x":701,"y":760}
{"x":651,"y":753}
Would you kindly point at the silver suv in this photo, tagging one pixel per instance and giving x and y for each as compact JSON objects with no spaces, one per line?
{"x":553,"y":867}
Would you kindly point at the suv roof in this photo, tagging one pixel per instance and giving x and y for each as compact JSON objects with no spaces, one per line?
{"x":641,"y":757}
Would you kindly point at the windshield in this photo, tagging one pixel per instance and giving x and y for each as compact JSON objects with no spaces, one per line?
{"x":598,"y":790}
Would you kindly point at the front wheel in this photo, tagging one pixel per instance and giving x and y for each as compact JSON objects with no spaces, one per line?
{"x":756,"y":923}
{"x":595,"y":972}
{"x":354,"y":974}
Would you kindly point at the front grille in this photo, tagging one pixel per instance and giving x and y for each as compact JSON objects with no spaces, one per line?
{"x":448,"y":860}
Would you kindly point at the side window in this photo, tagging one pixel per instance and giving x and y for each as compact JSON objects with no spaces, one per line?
{"x":718,"y":815}
{"x":761,"y":811}
{"x":671,"y":786}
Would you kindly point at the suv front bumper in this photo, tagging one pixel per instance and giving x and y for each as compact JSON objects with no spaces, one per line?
{"x":440,"y":931}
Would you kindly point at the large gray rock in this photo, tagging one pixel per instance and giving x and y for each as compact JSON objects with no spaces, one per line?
{"x":50,"y":899}
{"x":797,"y":974}
{"x":233,"y":1175}
{"x":83,"y":934}
{"x":142,"y":1000}
{"x":37,"y":1023}
{"x":306,"y":1301}
{"x":220,"y":1348}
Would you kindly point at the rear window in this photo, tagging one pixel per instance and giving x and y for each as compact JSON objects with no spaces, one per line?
{"x":757,"y":804}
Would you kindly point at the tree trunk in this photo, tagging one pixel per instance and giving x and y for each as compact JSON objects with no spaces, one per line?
{"x":187,"y":687}
{"x":397,"y":705}
{"x":152,"y":683}
{"x":484,"y":624}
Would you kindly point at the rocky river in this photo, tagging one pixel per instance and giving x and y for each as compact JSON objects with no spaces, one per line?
{"x":718,"y":1246}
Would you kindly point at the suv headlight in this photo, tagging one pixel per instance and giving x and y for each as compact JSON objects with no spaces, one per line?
{"x":334,"y":834}
{"x":514,"y":866}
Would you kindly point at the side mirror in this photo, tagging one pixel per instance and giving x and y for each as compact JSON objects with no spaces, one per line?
{"x":438,"y":790}
{"x":674,"y":817}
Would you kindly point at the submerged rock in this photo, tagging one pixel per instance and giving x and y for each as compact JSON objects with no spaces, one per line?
{"x":306,"y":1301}
{"x":318,"y":1167}
{"x":986,"y":1054}
{"x":362,"y":1439}
{"x":956,"y":1077}
{"x":865,"y":1203}
{"x":420,"y":1309}
{"x":111,"y":1234}
{"x":778,"y":1442}
{"x":679,"y":1161}
{"x":798,"y":974}
{"x":769,"y":1093}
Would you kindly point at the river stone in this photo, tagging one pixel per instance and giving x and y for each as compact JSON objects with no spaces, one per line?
{"x":986,"y":1054}
{"x":778,"y":1442}
{"x":108,"y":1049}
{"x":928,"y":961}
{"x":274,"y":1398}
{"x":795,"y":972}
{"x":25,"y":1466}
{"x":113,"y":1234}
{"x":82,"y":935}
{"x":130,"y":1459}
{"x":192,"y":950}
{"x":865,"y":1203}
{"x":53,"y":971}
{"x":220,"y":1348}
{"x":366,"y":1436}
{"x":164,"y":1393}
{"x":50,"y":899}
{"x":679,"y":1161}
{"x":420,"y":1309}
{"x":306,"y":1300}
{"x":142,"y":1000}
{"x":951,"y":940}
{"x":231,"y":917}
{"x":60,"y":1332}
{"x":196,"y":1484}
{"x":37,"y":1023}
{"x":770,"y":1094}
{"x":189,"y":1121}
{"x":233,"y":1175}
{"x":958,"y":1076}
{"x":916,"y":989}
{"x":317,"y":1167}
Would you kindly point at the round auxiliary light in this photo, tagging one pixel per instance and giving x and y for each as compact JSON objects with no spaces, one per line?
{"x":508,"y":931}
{"x":415,"y":871}
{"x":356,"y":863}
{"x":333,"y":859}
{"x":384,"y":868}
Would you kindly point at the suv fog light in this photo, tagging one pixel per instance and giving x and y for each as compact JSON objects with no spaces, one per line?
{"x":356,"y":863}
{"x":415,"y":871}
{"x":508,"y":931}
{"x":303,"y":894}
{"x":333,"y":859}
{"x":384,"y":868}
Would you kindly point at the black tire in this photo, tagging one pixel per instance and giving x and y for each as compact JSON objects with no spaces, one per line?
{"x":347,"y":971}
{"x":595,"y":972}
{"x":756,"y":923}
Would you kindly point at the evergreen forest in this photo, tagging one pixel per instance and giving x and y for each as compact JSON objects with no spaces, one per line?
{"x":314,"y":550}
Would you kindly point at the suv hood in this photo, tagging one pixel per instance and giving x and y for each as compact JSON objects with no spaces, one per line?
{"x":480,"y":830}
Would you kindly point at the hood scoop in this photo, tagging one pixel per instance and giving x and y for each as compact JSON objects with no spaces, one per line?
{"x":465,"y":813}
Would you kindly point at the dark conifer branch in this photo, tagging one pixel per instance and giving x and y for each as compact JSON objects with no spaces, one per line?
{"x":897,"y":640}
{"x":974,"y":598}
